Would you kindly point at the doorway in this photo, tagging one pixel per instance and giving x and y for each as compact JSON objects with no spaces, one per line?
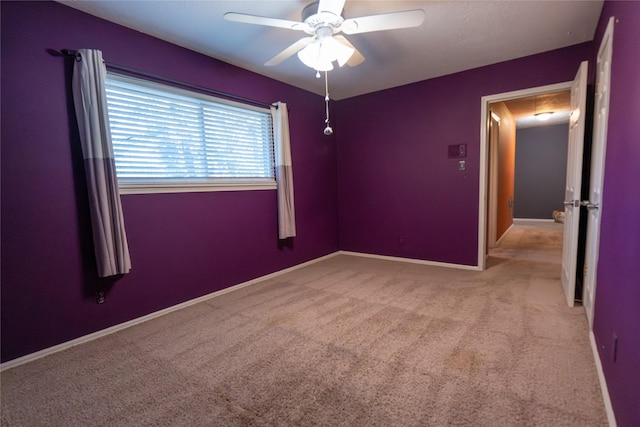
{"x":488,"y":156}
{"x":527,"y":162}
{"x":572,"y":199}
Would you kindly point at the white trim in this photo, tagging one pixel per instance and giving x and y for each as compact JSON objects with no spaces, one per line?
{"x":611,"y":416}
{"x":154,"y":188}
{"x":525,"y":220}
{"x":482,"y":191}
{"x":411,"y":260}
{"x":90,"y":337}
{"x":504,"y":234}
{"x":493,"y":160}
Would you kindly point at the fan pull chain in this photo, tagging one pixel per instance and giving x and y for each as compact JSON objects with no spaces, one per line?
{"x":327,"y":130}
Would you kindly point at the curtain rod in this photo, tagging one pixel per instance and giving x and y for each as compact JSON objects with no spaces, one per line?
{"x":160,"y":79}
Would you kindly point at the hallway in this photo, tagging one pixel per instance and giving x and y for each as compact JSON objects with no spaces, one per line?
{"x":531,"y":240}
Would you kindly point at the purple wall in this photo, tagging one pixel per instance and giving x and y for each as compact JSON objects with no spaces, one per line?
{"x":182,"y":245}
{"x":617,"y":307}
{"x":399,"y":194}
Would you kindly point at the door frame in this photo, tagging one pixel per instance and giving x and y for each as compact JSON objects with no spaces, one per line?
{"x":484,"y":155}
{"x":492,"y":186}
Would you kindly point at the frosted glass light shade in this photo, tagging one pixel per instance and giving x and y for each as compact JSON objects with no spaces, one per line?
{"x":320,"y":54}
{"x":312,"y":58}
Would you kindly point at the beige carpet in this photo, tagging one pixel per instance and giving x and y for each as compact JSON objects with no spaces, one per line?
{"x":348,"y":341}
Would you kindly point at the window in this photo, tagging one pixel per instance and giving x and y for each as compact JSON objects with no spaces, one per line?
{"x":167,"y":139}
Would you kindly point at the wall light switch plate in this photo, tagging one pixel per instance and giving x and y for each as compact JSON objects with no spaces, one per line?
{"x":462,"y":165}
{"x":457,"y":151}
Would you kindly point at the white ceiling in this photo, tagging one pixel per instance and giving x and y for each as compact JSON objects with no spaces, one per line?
{"x":455,"y":36}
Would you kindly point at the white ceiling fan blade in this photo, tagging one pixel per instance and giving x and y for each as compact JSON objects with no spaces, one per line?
{"x":290,"y":51}
{"x":385,"y":21}
{"x":263,"y":20}
{"x":331,"y":6}
{"x":357,"y":58}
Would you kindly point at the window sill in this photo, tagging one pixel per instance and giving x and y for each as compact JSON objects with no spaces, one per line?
{"x":156,"y":188}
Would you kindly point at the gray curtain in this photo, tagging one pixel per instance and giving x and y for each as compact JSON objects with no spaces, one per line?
{"x":107,"y":223}
{"x":284,"y":171}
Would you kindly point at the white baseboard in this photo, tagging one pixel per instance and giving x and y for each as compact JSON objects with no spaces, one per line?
{"x":412,"y":260}
{"x":525,"y":220}
{"x":611,"y":417}
{"x":90,"y":337}
{"x":505,"y":233}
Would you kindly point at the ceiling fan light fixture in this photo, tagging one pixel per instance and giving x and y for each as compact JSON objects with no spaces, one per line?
{"x":336,"y":50}
{"x":543,"y":117}
{"x":320,"y":54}
{"x":310,"y":56}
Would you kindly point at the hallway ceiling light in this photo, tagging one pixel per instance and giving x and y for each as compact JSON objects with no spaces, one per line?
{"x":543,"y":117}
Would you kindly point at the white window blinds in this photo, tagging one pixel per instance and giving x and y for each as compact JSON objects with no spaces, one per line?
{"x":165,"y":135}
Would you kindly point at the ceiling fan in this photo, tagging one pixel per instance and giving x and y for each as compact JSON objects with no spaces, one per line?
{"x":322,"y":20}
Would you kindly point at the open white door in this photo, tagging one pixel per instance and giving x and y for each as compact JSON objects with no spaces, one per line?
{"x":598,"y":152}
{"x":573,"y":184}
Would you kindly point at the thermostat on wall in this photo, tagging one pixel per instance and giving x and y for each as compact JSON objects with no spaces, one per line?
{"x":457,"y":151}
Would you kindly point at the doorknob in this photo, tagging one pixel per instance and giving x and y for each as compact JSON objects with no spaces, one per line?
{"x":573,"y":203}
{"x":590,"y":206}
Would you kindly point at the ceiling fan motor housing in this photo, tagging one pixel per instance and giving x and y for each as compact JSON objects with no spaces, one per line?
{"x":316,"y":19}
